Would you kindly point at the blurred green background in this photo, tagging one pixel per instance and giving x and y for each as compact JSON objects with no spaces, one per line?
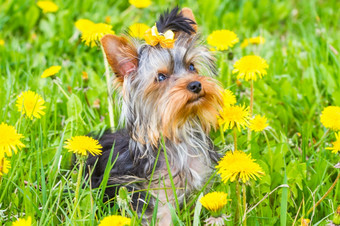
{"x":302,"y":49}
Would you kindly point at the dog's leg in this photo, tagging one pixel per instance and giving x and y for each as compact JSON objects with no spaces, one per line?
{"x":163,"y":213}
{"x":163,"y":191}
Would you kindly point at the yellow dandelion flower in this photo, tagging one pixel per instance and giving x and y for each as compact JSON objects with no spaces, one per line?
{"x":83,"y":24}
{"x":2,"y":42}
{"x":83,"y":144}
{"x":222,"y":39}
{"x":259,"y":123}
{"x":228,"y":98}
{"x":138,"y":30}
{"x":47,"y":6}
{"x":23,"y":222}
{"x":254,"y":40}
{"x":245,"y":43}
{"x":9,"y":140}
{"x":30,"y":104}
{"x":140,"y":3}
{"x":95,"y":32}
{"x":231,"y":116}
{"x":330,"y":117}
{"x":238,"y":166}
{"x":336,"y":144}
{"x":249,"y":67}
{"x":51,"y":71}
{"x":214,"y":201}
{"x":4,"y":166}
{"x":305,"y":222}
{"x":115,"y":220}
{"x":257,"y":40}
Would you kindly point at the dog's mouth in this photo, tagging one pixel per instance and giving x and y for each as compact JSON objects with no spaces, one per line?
{"x":196,"y":99}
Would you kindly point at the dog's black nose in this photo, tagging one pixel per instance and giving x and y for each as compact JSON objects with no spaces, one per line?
{"x":194,"y":87}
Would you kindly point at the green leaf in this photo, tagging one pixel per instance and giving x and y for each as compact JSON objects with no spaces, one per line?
{"x":74,"y":106}
{"x":175,"y":219}
{"x":154,"y":214}
{"x":284,"y":201}
{"x":197,"y":213}
{"x":32,"y":15}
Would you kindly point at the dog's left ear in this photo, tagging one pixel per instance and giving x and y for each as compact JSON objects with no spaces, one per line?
{"x":187,"y":12}
{"x":121,"y":55}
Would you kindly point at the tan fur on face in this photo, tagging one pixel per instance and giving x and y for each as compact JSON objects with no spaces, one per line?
{"x":179,"y":104}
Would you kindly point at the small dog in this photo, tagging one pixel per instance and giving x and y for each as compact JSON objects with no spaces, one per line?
{"x":164,"y":98}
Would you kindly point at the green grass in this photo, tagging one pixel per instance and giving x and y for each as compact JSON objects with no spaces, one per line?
{"x":302,"y":79}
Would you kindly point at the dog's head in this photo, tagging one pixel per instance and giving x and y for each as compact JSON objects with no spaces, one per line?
{"x":166,"y":86}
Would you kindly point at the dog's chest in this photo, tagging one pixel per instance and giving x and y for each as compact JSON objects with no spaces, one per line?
{"x":189,"y":167}
{"x":198,"y":170}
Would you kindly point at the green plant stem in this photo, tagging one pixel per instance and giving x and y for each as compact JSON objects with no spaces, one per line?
{"x":250,"y":111}
{"x":222,"y":64}
{"x":235,"y":139}
{"x":170,"y":175}
{"x":325,"y":195}
{"x":2,"y":160}
{"x":123,"y":212}
{"x":222,"y":134}
{"x":109,"y":90}
{"x":269,"y":150}
{"x":80,"y":174}
{"x":251,"y":98}
{"x":61,"y":88}
{"x":238,"y":204}
{"x":229,"y":75}
{"x":244,"y":204}
{"x":321,"y":139}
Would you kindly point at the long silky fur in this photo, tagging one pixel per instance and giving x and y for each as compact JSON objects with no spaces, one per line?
{"x":145,"y":103}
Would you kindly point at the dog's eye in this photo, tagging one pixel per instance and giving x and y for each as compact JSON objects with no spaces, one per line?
{"x":192,"y":68}
{"x":161,"y":77}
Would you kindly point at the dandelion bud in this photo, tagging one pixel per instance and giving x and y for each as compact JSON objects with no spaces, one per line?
{"x":336,"y":218}
{"x":96,"y":104}
{"x":85,"y":76}
{"x":230,"y":56}
{"x":123,"y":198}
{"x":108,"y":19}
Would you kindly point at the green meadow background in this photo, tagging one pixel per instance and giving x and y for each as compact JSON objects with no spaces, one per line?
{"x":302,"y":49}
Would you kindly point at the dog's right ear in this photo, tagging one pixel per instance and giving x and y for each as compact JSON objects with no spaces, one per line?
{"x":187,"y":12}
{"x":121,"y":55}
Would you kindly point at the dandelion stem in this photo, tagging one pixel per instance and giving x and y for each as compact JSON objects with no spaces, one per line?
{"x":235,"y":139}
{"x":238,"y":196}
{"x":222,"y":63}
{"x":251,"y":98}
{"x":229,"y":75}
{"x":250,"y":111}
{"x":325,"y":195}
{"x":222,"y":135}
{"x":109,"y":90}
{"x":244,"y":204}
{"x":2,"y":163}
{"x":80,"y":174}
{"x":61,"y":88}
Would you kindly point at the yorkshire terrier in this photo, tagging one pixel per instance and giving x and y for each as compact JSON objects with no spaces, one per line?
{"x":168,"y":104}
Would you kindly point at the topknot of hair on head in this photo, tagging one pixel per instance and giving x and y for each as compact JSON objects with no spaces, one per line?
{"x":175,"y":21}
